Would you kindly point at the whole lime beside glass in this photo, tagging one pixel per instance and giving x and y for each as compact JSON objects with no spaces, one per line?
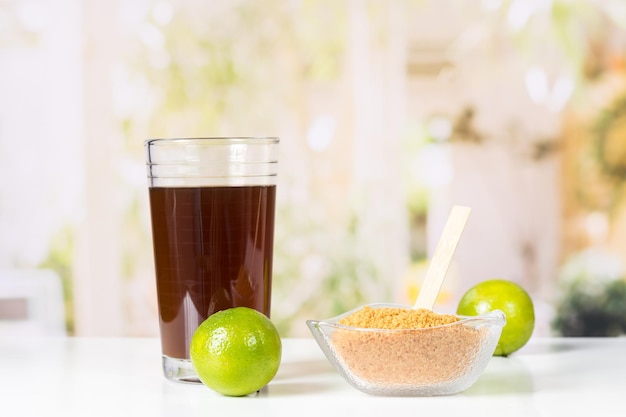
{"x":512,"y":300}
{"x":236,"y":351}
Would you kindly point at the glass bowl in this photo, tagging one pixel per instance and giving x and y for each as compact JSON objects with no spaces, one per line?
{"x":440,"y":360}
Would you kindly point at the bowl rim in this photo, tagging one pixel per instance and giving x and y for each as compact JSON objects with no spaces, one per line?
{"x":494,"y":317}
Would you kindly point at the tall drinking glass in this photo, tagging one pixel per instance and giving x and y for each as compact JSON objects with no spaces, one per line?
{"x":212,"y":204}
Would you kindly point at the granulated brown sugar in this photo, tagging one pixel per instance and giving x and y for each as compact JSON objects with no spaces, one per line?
{"x":417,"y":353}
{"x":396,"y":318}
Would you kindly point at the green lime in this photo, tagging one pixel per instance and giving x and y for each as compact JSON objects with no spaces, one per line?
{"x":513,"y":301}
{"x":236,"y":351}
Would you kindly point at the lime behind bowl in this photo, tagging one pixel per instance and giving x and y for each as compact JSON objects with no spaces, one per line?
{"x":442,"y":360}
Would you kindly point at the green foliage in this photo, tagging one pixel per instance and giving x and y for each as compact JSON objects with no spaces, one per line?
{"x":222,"y":68}
{"x":417,"y":138}
{"x":319,"y":271}
{"x":59,"y":259}
{"x":592,"y":309}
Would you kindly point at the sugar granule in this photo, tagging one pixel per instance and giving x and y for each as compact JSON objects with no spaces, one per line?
{"x":396,"y":318}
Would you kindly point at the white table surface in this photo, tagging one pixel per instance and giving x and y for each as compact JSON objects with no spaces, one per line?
{"x":122,"y":377}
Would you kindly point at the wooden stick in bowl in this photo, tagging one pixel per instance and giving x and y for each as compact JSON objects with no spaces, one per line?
{"x":438,"y":268}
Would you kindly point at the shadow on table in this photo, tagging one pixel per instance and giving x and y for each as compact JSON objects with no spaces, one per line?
{"x":503,"y":376}
{"x":296,"y":378}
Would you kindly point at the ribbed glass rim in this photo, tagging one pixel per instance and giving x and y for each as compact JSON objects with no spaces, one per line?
{"x":213,"y":140}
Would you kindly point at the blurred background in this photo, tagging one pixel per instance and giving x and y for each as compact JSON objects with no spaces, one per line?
{"x":389,"y":113}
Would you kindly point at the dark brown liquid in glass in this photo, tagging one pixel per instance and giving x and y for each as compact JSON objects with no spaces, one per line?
{"x":213,"y":250}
